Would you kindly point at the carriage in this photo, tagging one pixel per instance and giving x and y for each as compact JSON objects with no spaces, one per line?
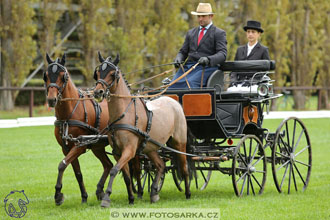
{"x":225,"y":132}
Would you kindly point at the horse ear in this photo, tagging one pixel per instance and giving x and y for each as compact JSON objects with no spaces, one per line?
{"x":48,"y":59}
{"x":95,"y":75}
{"x":116,"y":60}
{"x":101,"y":59}
{"x":45,"y":77}
{"x":62,"y":62}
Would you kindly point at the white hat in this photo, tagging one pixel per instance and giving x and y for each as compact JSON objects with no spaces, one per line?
{"x":203,"y":9}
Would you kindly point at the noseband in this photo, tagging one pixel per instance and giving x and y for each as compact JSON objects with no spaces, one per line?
{"x":55,"y":68}
{"x":104,"y":70}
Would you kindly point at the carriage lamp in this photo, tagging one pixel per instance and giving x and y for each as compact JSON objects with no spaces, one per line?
{"x":230,"y":141}
{"x":262,"y":90}
{"x":270,"y":89}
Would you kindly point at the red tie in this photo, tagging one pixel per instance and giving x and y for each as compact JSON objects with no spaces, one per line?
{"x":201,"y":34}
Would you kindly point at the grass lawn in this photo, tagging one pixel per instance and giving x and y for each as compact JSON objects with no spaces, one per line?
{"x":30,"y":156}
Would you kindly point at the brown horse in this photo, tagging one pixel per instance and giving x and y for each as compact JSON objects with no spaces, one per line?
{"x":131,"y":125}
{"x":74,"y":118}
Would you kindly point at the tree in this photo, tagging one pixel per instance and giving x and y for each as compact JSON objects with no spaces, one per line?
{"x":95,"y":16}
{"x":308,"y":38}
{"x":18,"y":49}
{"x":49,"y":13}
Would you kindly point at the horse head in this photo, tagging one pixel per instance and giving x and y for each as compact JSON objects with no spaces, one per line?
{"x":106,"y":76}
{"x":55,"y":78}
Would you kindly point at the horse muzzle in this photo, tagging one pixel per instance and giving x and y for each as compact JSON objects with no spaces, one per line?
{"x":99,"y":95}
{"x":52,"y":102}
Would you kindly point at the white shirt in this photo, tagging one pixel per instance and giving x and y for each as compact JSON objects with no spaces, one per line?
{"x":250,"y":48}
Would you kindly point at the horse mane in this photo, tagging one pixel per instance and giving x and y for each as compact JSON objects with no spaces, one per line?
{"x":125,"y":80}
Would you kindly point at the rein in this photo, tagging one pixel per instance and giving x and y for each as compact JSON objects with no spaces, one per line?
{"x":164,"y":87}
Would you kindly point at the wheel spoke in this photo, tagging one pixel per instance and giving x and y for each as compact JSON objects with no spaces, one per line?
{"x":248,"y":185}
{"x":285,"y":145}
{"x":293,"y":133}
{"x":254,"y":153}
{"x":250,"y":149}
{"x":295,"y":146}
{"x":287,"y":133}
{"x":302,"y":179}
{"x":286,"y":162}
{"x":243,"y":185}
{"x":244,"y":148}
{"x":242,"y":159}
{"x":294,"y":178}
{"x":286,"y":169}
{"x":144,"y":176}
{"x":252,"y":187}
{"x":290,"y":171}
{"x":302,"y":163}
{"x":244,"y":174}
{"x":255,"y":179}
{"x":262,"y":157}
{"x":302,"y":150}
{"x":283,"y":155}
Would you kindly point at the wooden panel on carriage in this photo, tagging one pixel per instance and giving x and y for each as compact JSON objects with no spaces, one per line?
{"x":197,"y":104}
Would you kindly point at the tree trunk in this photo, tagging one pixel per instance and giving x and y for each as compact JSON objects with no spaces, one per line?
{"x":6,"y":97}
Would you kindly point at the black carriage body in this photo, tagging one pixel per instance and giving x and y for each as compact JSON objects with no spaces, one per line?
{"x":212,"y":115}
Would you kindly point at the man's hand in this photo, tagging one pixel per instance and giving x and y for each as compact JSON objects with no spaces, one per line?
{"x":177,"y":62}
{"x":204,"y":61}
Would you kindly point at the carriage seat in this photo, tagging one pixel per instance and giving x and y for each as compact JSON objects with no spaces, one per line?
{"x":244,"y":69}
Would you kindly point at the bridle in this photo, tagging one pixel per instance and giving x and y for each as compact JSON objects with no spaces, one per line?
{"x":55,"y":68}
{"x":105,"y":68}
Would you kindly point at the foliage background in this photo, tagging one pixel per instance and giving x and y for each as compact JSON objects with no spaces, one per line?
{"x":150,"y":32}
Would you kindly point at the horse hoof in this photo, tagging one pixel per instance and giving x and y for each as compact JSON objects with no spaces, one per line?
{"x":140,"y":195}
{"x":105,"y":203}
{"x":188,"y":196}
{"x":154,"y":198}
{"x":83,"y":200}
{"x":59,"y":199}
{"x":99,"y":195}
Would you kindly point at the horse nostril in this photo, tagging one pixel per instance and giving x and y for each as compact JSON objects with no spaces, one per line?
{"x":52,"y":102}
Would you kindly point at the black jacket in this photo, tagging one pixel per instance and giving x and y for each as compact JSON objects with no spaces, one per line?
{"x":213,"y":45}
{"x":259,"y":52}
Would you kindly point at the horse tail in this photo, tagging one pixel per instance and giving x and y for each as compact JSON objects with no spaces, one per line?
{"x":190,"y":162}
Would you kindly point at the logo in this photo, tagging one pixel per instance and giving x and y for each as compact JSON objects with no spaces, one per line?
{"x":15,"y":204}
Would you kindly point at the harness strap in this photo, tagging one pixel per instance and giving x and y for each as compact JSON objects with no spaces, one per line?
{"x":98,"y":111}
{"x":76,"y":123}
{"x":148,"y":128}
{"x":147,"y":136}
{"x":122,"y":116}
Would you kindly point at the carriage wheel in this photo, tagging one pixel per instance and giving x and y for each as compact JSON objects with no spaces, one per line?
{"x":201,"y":174}
{"x":148,"y":173}
{"x":249,"y":167}
{"x":291,"y":156}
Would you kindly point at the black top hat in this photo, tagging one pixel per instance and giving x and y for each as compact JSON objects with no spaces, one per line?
{"x":256,"y":25}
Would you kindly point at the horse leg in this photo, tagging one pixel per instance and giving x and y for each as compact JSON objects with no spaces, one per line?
{"x":76,"y":168}
{"x":107,"y":165}
{"x":135,"y":166}
{"x":185,"y":173}
{"x":160,"y":166}
{"x":128,"y":182}
{"x":126,"y":156}
{"x":69,"y":157}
